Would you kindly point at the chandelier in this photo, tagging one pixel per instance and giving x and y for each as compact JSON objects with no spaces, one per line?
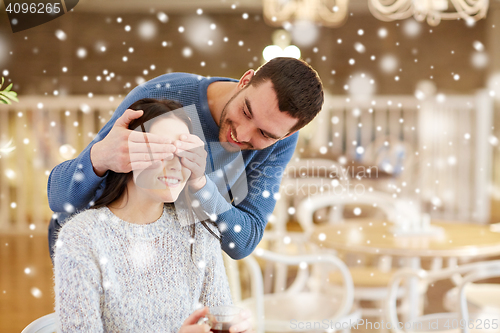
{"x":433,"y":10}
{"x":330,"y":13}
{"x":333,"y":13}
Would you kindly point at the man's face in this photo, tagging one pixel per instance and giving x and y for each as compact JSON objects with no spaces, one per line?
{"x":251,"y":120}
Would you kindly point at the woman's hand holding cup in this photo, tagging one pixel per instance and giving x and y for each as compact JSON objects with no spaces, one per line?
{"x":191,"y":325}
{"x":227,"y":318}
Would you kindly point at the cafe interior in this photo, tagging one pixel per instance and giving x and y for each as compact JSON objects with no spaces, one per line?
{"x":387,"y":218}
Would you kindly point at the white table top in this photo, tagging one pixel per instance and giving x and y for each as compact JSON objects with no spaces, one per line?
{"x":377,"y":237}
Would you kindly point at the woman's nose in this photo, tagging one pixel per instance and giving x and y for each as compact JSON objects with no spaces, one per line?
{"x":173,"y":164}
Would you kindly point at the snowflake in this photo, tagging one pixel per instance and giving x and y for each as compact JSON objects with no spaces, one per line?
{"x":81,"y":52}
{"x":79,"y":176}
{"x":69,"y":208}
{"x":36,"y":292}
{"x":142,"y":254}
{"x":162,"y":17}
{"x":61,"y":35}
{"x":359,"y":47}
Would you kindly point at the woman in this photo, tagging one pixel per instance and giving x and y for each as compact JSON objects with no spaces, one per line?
{"x":136,"y":262}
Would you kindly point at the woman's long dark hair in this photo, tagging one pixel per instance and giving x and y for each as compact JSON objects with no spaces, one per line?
{"x":116,"y":183}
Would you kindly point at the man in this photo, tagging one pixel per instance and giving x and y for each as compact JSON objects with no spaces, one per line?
{"x":260,"y":115}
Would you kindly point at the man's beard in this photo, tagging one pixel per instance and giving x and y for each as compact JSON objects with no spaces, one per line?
{"x":223,"y":129}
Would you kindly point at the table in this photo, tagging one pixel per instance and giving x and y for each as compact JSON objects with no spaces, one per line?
{"x":457,"y":239}
{"x":376,"y":237}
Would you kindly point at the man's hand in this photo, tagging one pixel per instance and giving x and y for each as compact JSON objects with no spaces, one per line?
{"x":123,"y":150}
{"x":190,"y":324}
{"x":190,"y":149}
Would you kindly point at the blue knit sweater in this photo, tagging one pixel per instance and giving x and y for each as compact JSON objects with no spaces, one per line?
{"x":73,"y":185}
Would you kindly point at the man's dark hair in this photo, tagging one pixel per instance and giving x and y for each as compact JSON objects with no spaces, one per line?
{"x":297,"y":86}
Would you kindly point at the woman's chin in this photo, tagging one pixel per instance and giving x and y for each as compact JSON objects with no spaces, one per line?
{"x":170,"y":199}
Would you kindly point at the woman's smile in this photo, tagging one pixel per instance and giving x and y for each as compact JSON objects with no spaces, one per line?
{"x":170,"y":181}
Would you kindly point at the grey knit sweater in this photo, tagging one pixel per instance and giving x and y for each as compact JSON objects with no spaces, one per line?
{"x":114,"y":276}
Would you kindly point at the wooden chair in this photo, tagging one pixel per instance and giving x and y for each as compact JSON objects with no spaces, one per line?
{"x":45,"y":324}
{"x":312,"y":186}
{"x":302,"y":178}
{"x":370,"y":281}
{"x":479,"y":296}
{"x":277,"y":312}
{"x":459,"y":321}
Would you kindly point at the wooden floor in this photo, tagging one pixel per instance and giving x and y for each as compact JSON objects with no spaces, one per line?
{"x":26,"y":285}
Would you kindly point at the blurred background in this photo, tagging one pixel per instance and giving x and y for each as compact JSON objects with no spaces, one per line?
{"x":412,"y":94}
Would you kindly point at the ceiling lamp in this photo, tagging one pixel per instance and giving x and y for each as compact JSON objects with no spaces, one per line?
{"x":330,"y":13}
{"x":281,"y":47}
{"x":433,"y":10}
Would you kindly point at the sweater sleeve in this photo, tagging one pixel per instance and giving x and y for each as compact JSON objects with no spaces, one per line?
{"x":78,"y":287}
{"x":73,"y":183}
{"x":243,"y":225}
